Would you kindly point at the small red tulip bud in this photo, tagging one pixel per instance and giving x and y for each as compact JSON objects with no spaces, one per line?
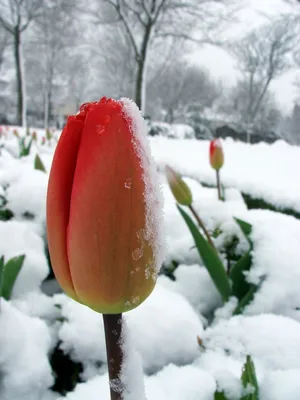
{"x":179,"y":188}
{"x":216,"y":155}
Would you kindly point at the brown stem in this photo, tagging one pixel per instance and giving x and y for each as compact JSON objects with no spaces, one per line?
{"x":113,"y":332}
{"x":219,"y":185}
{"x":200,"y":222}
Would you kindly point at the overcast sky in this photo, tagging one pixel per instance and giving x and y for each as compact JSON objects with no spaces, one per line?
{"x":222,"y":65}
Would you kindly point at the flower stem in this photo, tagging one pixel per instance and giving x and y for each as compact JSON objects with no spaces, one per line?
{"x":219,"y":185}
{"x":201,"y":224}
{"x":113,"y":332}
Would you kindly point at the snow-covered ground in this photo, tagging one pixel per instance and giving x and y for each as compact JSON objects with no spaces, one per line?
{"x":167,"y":327}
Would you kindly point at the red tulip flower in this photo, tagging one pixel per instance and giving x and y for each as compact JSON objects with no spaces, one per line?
{"x":216,"y":155}
{"x":216,"y":158}
{"x":103,"y":208}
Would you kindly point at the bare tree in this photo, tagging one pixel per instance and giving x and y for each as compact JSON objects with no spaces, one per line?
{"x":4,"y":41}
{"x":262,"y":56}
{"x":52,"y":35}
{"x":15,"y":17}
{"x":181,"y":89}
{"x":146,"y":21}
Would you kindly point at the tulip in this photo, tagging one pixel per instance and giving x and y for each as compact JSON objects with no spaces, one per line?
{"x":16,"y":133}
{"x":216,"y":158}
{"x":183,"y":196}
{"x":103,"y":208}
{"x":179,"y":188}
{"x":216,"y":155}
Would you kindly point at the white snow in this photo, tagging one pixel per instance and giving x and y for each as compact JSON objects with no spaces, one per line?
{"x":265,"y":171}
{"x":163,"y":332}
{"x":82,"y":333}
{"x":154,"y":219}
{"x":24,"y":346}
{"x":21,"y":238}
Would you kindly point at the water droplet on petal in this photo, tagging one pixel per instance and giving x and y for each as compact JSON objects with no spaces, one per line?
{"x":135,"y":300}
{"x":128,"y":183}
{"x":100,"y":129}
{"x":137,"y":254}
{"x":127,"y":304}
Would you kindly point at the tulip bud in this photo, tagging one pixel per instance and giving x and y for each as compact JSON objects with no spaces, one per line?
{"x":103,"y":208}
{"x":16,"y":133}
{"x":179,"y":188}
{"x":216,"y":155}
{"x":43,"y":140}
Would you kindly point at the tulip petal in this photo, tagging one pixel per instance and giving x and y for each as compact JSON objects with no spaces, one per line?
{"x":107,"y":248}
{"x":58,"y":200}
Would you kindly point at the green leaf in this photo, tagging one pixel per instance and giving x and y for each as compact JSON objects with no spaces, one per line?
{"x":28,"y":147}
{"x":220,"y":396}
{"x":246,"y":228}
{"x":9,"y":275}
{"x":209,"y":257}
{"x":246,"y":299}
{"x":1,"y":270}
{"x":249,"y":378}
{"x":6,"y":214}
{"x":240,"y":287}
{"x":38,"y":164}
{"x":25,"y":150}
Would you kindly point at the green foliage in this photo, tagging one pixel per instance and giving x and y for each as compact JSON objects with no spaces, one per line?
{"x":8,"y":274}
{"x":38,"y":164}
{"x":249,"y":378}
{"x":235,"y":283}
{"x":48,"y":135}
{"x":169,"y":269}
{"x":220,"y":396}
{"x":240,"y":287}
{"x":255,"y":203}
{"x":246,"y":299}
{"x":5,"y":213}
{"x":245,"y":227}
{"x":210,"y":258}
{"x":249,"y":381}
{"x":24,"y":149}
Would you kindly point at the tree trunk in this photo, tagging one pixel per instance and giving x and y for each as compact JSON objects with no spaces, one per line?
{"x":140,"y":85}
{"x":48,"y":97}
{"x":17,"y":54}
